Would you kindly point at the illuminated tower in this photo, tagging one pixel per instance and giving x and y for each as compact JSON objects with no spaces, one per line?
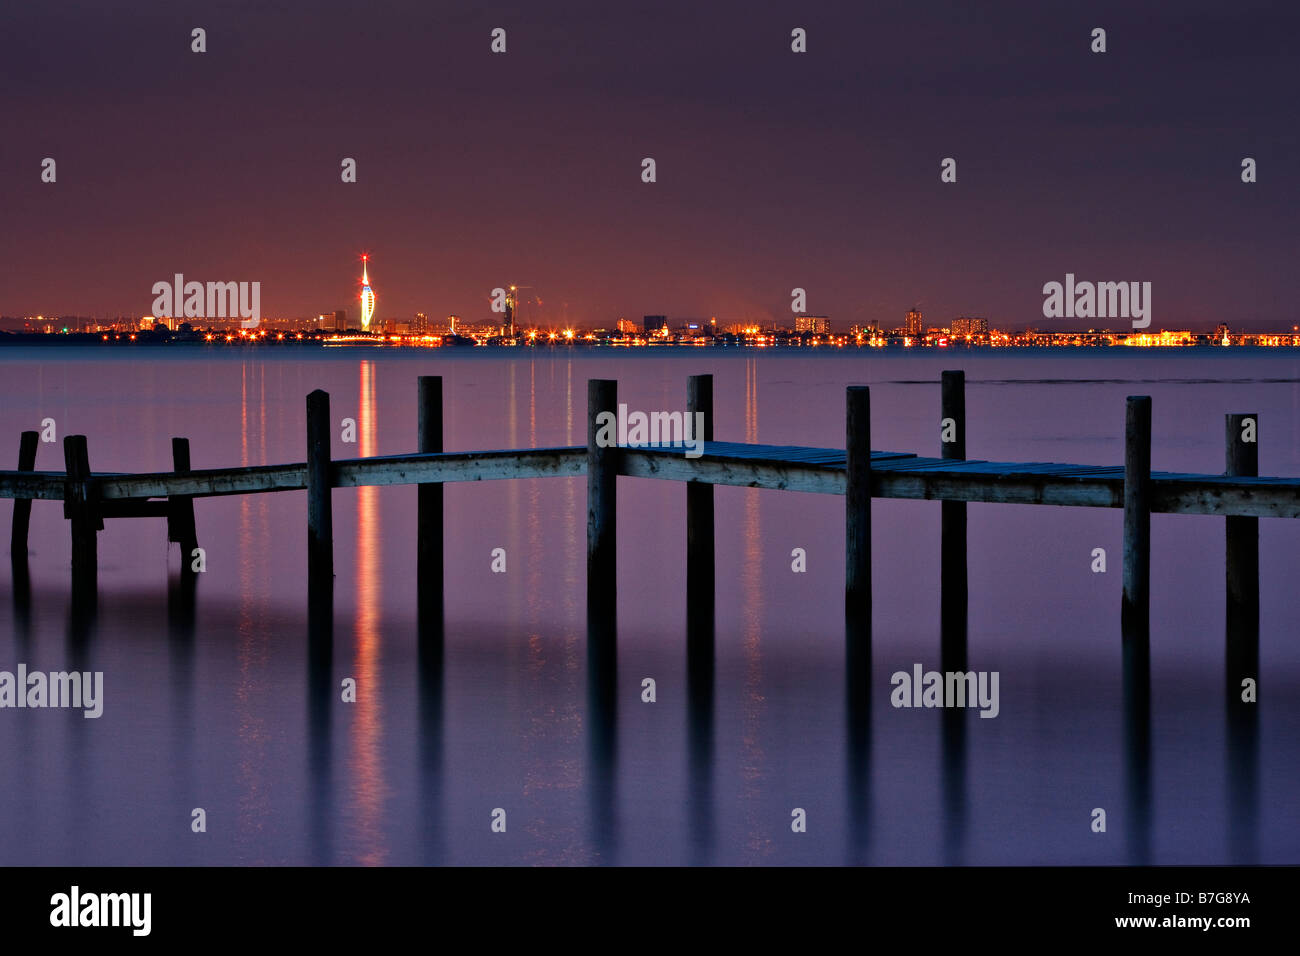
{"x":512,"y":305}
{"x":367,"y":296}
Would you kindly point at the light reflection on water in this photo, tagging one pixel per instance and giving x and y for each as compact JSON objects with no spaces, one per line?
{"x":207,"y":704}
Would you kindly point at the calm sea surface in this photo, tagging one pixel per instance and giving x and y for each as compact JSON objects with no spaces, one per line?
{"x":214,"y":706}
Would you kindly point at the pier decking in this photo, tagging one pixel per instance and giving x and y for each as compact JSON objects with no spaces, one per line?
{"x":776,"y":467}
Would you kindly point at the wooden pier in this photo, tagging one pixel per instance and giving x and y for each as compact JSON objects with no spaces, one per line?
{"x":855,"y":472}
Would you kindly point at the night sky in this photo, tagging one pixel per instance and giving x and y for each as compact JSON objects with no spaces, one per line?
{"x":775,"y":169}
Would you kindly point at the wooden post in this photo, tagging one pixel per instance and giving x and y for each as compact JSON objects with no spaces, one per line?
{"x":953,"y":587}
{"x":80,"y":506}
{"x":602,"y":474}
{"x":857,"y":566}
{"x":23,"y":506}
{"x":1135,"y":616}
{"x":1242,"y":533}
{"x":320,"y":519}
{"x":180,"y":509}
{"x":699,"y":509}
{"x":430,"y":585}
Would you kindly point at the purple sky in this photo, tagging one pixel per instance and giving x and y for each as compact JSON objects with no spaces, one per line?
{"x":775,"y":169}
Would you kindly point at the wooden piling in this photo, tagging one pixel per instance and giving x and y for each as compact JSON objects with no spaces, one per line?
{"x":80,"y":506}
{"x":700,"y":570}
{"x":857,"y":498}
{"x":23,"y":506}
{"x":953,"y":587}
{"x":180,"y":509}
{"x":320,"y":519}
{"x":429,"y":512}
{"x":1135,"y":615}
{"x":602,"y":472}
{"x":1242,"y":533}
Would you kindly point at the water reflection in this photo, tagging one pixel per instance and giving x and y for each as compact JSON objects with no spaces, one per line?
{"x":252,"y":641}
{"x":1137,"y":747}
{"x":602,"y":734}
{"x":857,"y":682}
{"x":1241,"y":764}
{"x":753,"y":758}
{"x":700,"y":674}
{"x":367,"y":784}
{"x":22,"y":601}
{"x":181,"y":619}
{"x":953,"y":720}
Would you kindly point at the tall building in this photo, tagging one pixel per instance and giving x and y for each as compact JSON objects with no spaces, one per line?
{"x":626,"y":326}
{"x":811,"y":323}
{"x":653,"y":323}
{"x":970,"y":325}
{"x":912,"y":325}
{"x":367,"y":297}
{"x":420,"y":323}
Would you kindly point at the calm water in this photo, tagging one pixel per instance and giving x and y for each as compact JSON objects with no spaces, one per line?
{"x":215,"y":706}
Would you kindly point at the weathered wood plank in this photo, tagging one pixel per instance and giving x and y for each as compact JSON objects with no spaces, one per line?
{"x":893,"y":476}
{"x":461,"y":466}
{"x":41,"y":485}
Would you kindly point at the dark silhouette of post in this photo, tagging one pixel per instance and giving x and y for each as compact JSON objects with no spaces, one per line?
{"x":602,"y":478}
{"x":699,"y":509}
{"x":953,"y":586}
{"x":430,"y":585}
{"x":700,"y":606}
{"x":180,"y":509}
{"x":1241,"y":662}
{"x":80,"y":506}
{"x":1135,"y":615}
{"x":1136,"y":663}
{"x":320,"y":519}
{"x":857,"y":508}
{"x":1242,"y":533}
{"x":23,"y":506}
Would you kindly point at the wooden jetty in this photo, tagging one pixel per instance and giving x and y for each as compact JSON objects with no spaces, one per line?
{"x":855,"y":471}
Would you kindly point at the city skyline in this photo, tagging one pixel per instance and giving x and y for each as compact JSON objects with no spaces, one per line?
{"x":775,"y":170}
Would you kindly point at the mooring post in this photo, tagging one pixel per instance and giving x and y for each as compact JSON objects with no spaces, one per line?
{"x":430,"y":586}
{"x":953,"y":586}
{"x":80,"y":506}
{"x":1135,"y":616}
{"x":857,"y":498}
{"x":320,"y":519}
{"x":699,"y":507}
{"x":23,"y":506}
{"x":180,"y":509}
{"x":602,"y":474}
{"x":1241,"y":535}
